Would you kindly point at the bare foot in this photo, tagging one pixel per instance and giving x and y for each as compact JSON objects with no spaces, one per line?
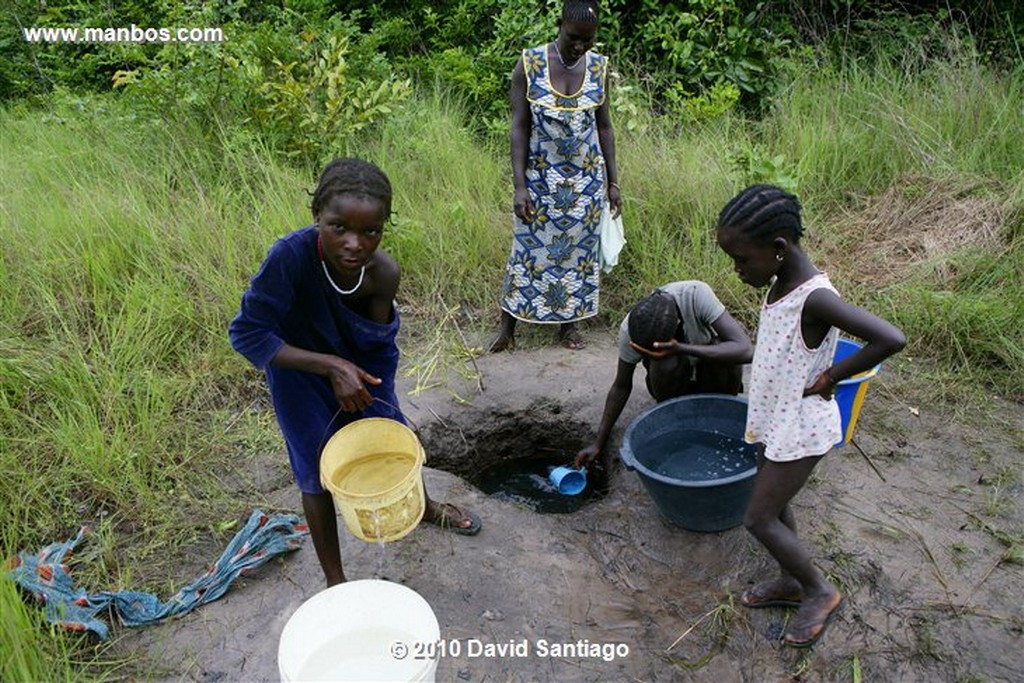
{"x":571,"y":338}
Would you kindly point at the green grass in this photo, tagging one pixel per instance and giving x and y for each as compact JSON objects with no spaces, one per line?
{"x":35,"y":651}
{"x":127,"y":248}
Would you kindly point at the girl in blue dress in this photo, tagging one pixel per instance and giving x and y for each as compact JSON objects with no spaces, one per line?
{"x":319,"y":319}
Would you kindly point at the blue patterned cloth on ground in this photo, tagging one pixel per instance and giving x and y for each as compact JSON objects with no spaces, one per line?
{"x":553,"y":272}
{"x":46,"y":576}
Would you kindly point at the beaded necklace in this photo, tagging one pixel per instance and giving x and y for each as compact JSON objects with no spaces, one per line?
{"x":339,"y":290}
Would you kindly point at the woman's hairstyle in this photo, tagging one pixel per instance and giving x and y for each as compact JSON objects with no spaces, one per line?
{"x":763,"y":212}
{"x":583,"y":11}
{"x":348,"y":175}
{"x":653,"y":318}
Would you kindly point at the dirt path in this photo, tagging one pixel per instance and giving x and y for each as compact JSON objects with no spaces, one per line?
{"x":929,"y":558}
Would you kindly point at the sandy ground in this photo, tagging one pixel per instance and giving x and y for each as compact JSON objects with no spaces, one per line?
{"x":932,"y":592}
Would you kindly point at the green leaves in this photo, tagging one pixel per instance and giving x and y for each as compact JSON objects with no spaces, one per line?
{"x":313,"y":106}
{"x":711,"y":42}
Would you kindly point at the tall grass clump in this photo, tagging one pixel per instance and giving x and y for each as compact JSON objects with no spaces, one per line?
{"x":855,"y":127}
{"x":125,"y":252}
{"x":675,"y":180}
{"x":862,"y":132}
{"x":452,"y":204}
{"x":31,"y":651}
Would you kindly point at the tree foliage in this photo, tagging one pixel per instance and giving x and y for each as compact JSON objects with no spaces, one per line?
{"x":306,"y":74}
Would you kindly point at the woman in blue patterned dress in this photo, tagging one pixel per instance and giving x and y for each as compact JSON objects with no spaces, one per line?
{"x":563,"y":170}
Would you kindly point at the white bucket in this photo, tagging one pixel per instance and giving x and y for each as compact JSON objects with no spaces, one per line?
{"x":360,"y":631}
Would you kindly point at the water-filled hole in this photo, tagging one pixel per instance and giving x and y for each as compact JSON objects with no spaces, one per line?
{"x":509,"y":455}
{"x":525,"y":481}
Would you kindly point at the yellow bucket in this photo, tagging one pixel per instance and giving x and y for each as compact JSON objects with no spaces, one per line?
{"x":373,"y":468}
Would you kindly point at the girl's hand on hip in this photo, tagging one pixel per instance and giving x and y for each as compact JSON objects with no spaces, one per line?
{"x":823,"y":386}
{"x":615,"y":199}
{"x":523,"y":205}
{"x":349,"y":382}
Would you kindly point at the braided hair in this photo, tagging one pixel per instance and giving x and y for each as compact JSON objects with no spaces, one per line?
{"x":653,"y":318}
{"x":348,"y":175}
{"x":582,"y":11}
{"x":763,"y":212}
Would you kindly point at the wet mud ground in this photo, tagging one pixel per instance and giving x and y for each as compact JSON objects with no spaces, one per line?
{"x":929,"y":557}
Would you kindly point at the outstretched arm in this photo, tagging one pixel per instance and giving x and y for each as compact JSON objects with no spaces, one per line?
{"x":824,"y":309}
{"x":618,"y":394}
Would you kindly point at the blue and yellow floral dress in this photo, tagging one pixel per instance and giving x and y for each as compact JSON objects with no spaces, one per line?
{"x":552,"y":275}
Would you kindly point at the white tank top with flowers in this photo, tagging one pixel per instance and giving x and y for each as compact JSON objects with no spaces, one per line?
{"x":790,"y":425}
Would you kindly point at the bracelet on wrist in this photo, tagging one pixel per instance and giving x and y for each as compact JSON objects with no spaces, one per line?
{"x":616,"y":186}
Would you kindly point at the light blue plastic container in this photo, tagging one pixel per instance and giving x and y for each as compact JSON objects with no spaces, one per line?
{"x":568,"y":481}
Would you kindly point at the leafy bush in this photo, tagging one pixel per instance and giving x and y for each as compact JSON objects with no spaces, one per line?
{"x":312,"y":106}
{"x":708,"y":42}
{"x":854,"y":29}
{"x":688,"y":55}
{"x":306,"y":89}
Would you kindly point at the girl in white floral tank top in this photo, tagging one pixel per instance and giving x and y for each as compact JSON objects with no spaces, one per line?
{"x":790,"y":407}
{"x":789,"y":424}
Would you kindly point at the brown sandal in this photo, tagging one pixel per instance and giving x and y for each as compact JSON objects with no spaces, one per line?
{"x":449,"y":516}
{"x":814,"y":626}
{"x":572,"y":340}
{"x":775,"y":593}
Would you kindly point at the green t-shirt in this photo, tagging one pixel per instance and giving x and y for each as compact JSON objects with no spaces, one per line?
{"x":698,"y":308}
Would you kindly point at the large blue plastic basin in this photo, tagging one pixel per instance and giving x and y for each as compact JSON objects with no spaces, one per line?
{"x":691,"y":458}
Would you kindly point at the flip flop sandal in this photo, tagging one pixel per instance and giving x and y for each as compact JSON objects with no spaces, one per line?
{"x":755,"y":598}
{"x":508,"y":345}
{"x":822,"y":627}
{"x":573,"y":341}
{"x":445,"y":519}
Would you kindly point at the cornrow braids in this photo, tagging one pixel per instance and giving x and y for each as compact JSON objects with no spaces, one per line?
{"x":764,"y":212}
{"x":653,"y":318}
{"x":348,"y":175}
{"x":582,"y":11}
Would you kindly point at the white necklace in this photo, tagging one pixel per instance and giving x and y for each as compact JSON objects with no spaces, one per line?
{"x":339,"y":290}
{"x":562,"y":61}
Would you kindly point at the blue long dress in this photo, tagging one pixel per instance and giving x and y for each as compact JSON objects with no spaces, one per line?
{"x":553,"y":272}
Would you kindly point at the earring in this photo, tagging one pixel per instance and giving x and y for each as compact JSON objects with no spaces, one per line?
{"x":778,"y":257}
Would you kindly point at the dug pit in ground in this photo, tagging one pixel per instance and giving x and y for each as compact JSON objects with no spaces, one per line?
{"x":509,"y":455}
